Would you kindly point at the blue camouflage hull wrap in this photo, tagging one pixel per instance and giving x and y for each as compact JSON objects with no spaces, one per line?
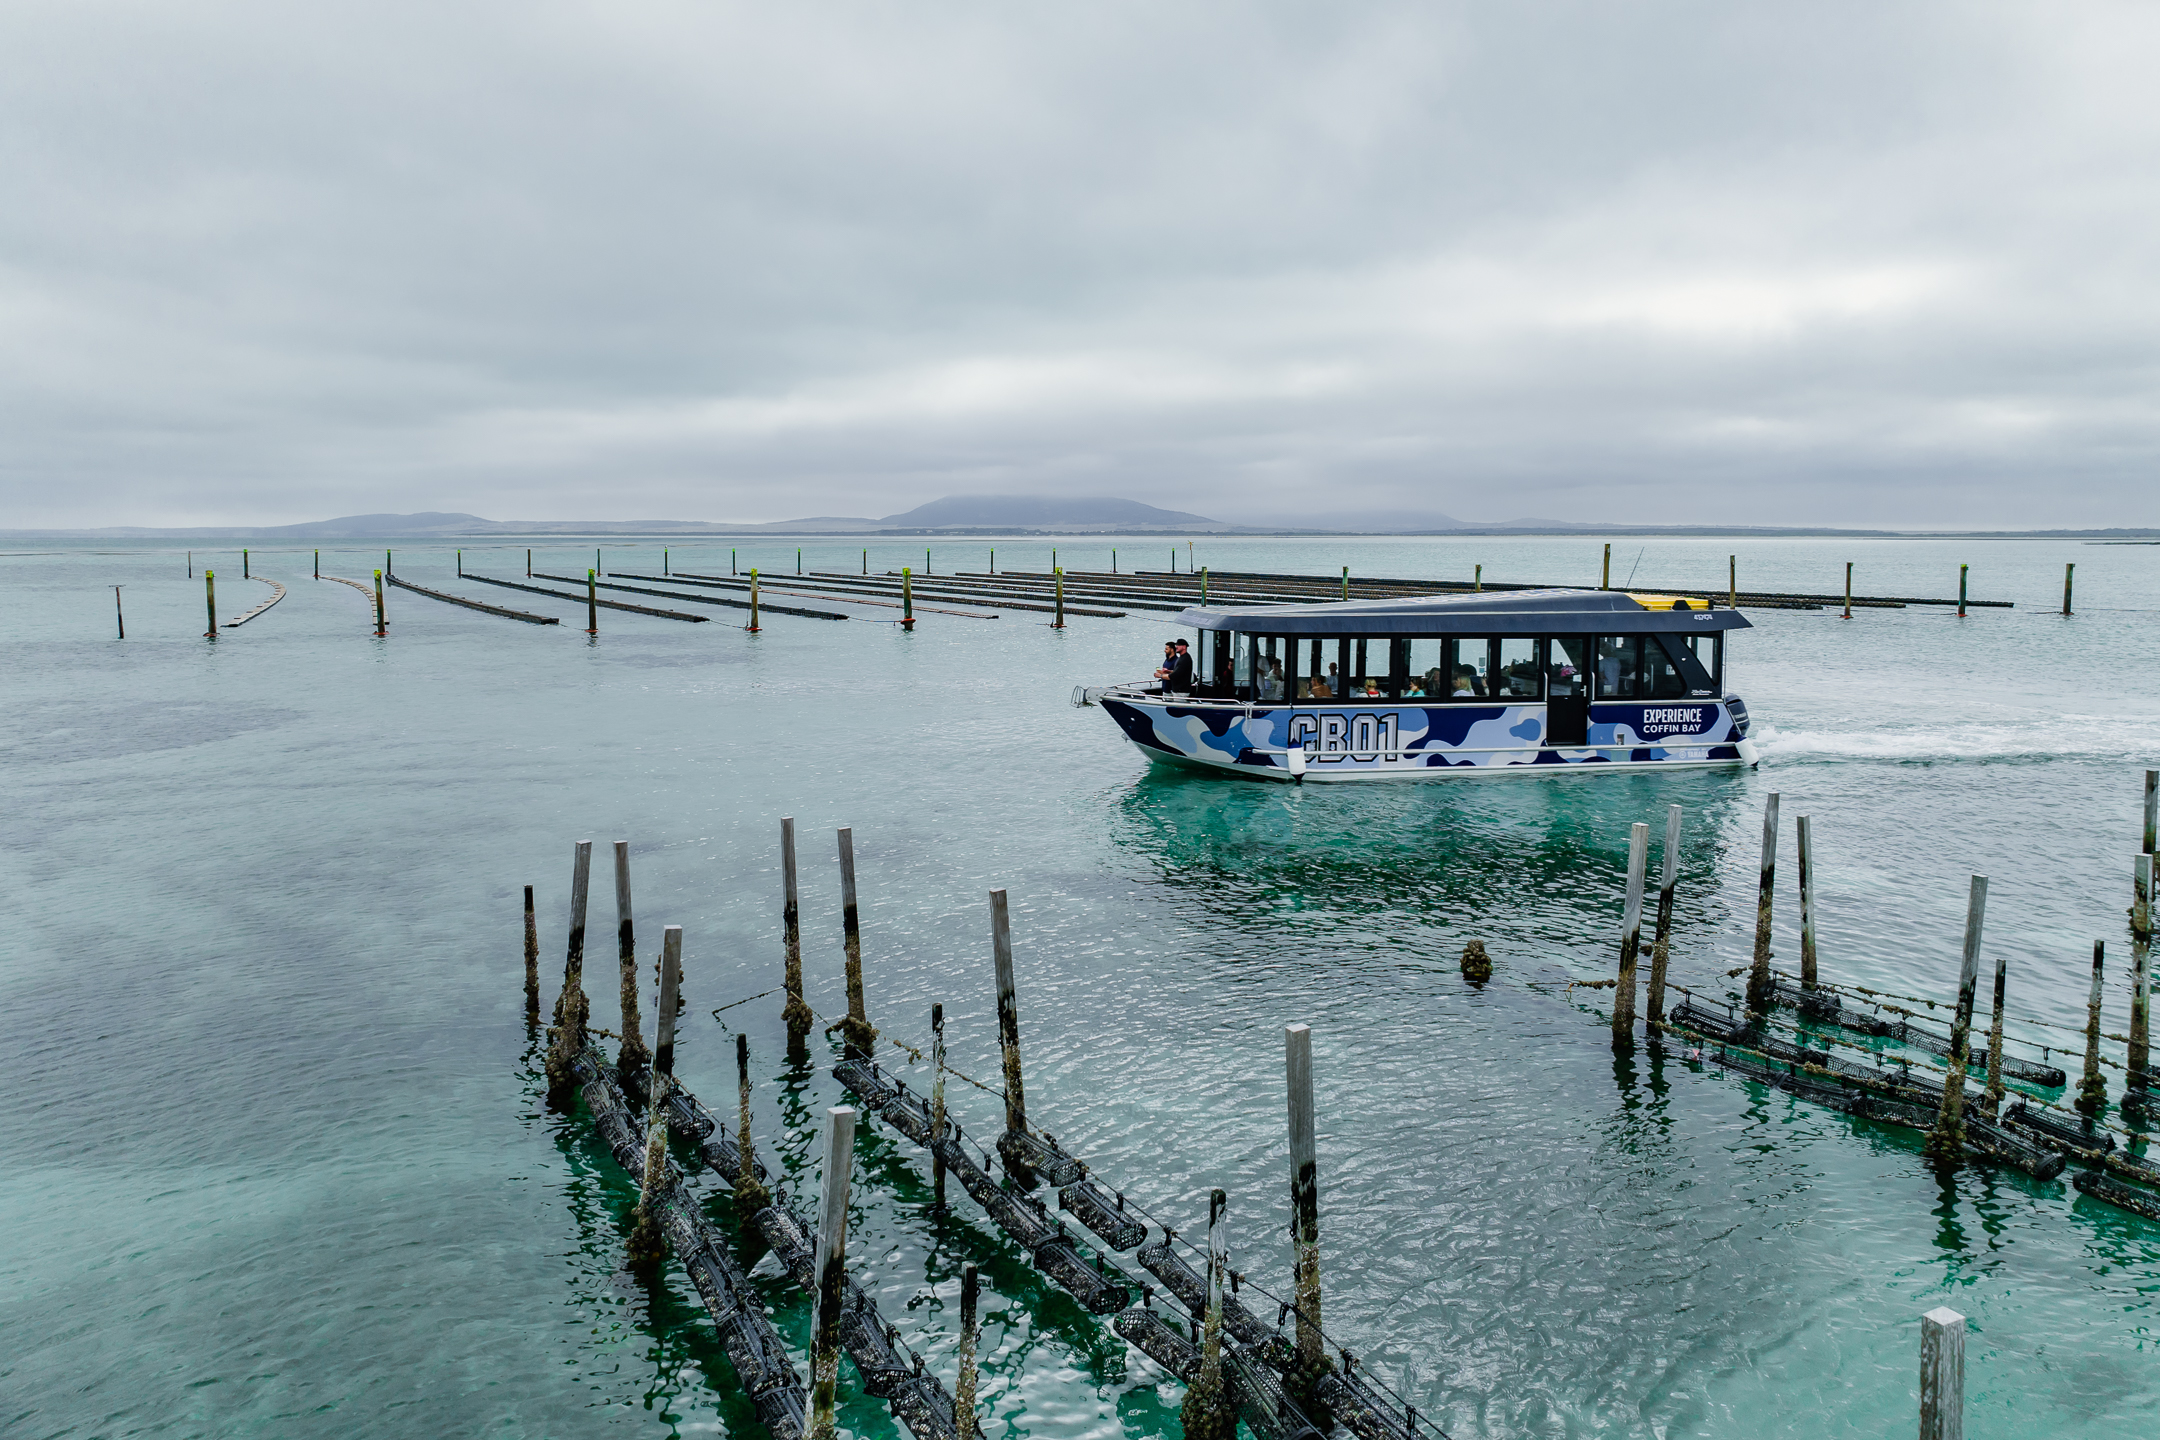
{"x":1424,"y":742}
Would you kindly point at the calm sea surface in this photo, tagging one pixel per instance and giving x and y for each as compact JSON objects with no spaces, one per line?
{"x":275,"y":1162}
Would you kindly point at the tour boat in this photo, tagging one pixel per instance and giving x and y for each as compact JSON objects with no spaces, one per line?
{"x":1517,"y":682}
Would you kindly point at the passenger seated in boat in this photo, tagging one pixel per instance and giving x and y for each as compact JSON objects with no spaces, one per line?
{"x":1372,"y":688}
{"x":1321,"y":690}
{"x":1271,"y":680}
{"x":1466,"y":681}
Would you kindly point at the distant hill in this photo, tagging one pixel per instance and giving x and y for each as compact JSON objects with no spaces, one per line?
{"x":1035,"y":512}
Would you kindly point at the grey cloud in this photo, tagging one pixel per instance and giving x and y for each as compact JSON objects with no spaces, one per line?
{"x":1841,"y":264}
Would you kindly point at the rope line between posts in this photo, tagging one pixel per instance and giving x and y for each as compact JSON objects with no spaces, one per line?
{"x":1875,"y":997}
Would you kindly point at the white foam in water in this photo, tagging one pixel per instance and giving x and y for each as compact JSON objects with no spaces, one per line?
{"x":2079,"y":736}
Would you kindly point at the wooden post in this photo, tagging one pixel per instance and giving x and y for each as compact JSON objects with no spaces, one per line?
{"x":1203,"y":589}
{"x":1654,"y":1015}
{"x":1732,"y":581}
{"x":388,"y":567}
{"x":866,"y":562}
{"x":245,"y":573}
{"x":2092,"y":1090}
{"x":1053,"y":557}
{"x":750,"y":1192}
{"x":1807,"y":904}
{"x":1008,"y":1012}
{"x":190,"y":564}
{"x":1606,"y":582}
{"x":964,"y":1387}
{"x":663,"y":560}
{"x":1963,"y":570}
{"x":318,"y":564}
{"x":663,"y":1055}
{"x":1623,"y":1010}
{"x":209,"y":580}
{"x":647,"y":1245}
{"x":532,"y":960}
{"x":119,"y":618}
{"x":797,"y":1013}
{"x":753,"y":600}
{"x":1477,"y":582}
{"x":993,"y":560}
{"x":1346,"y":582}
{"x":1759,"y":985}
{"x":632,"y":1056}
{"x":1059,"y":623}
{"x":937,"y":1108}
{"x":1304,"y":1198}
{"x":1995,"y":1041}
{"x":1946,"y":1143}
{"x":1113,"y":560}
{"x":596,"y":559}
{"x":1848,"y":592}
{"x":1207,"y":1413}
{"x":1942,"y":1375}
{"x":461,"y":562}
{"x":831,"y":1268}
{"x":907,"y":600}
{"x":382,"y":621}
{"x":569,"y":1036}
{"x":2141,"y":896}
{"x":2152,"y":808}
{"x":858,"y":1040}
{"x":2069,"y":571}
{"x":798,"y":560}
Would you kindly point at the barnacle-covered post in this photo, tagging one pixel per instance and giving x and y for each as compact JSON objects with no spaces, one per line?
{"x":1759,"y":983}
{"x":663,"y":1055}
{"x":857,"y":1037}
{"x":907,"y":599}
{"x":532,"y":961}
{"x":1654,"y":1013}
{"x":1623,"y":1010}
{"x":1207,"y":1413}
{"x":646,"y":1245}
{"x":1008,"y":1013}
{"x":937,"y":1109}
{"x":2141,"y":929}
{"x":569,"y":1037}
{"x":592,"y":603}
{"x":632,"y":1056}
{"x":797,"y":1013}
{"x":1807,"y":904}
{"x":2092,"y":1090}
{"x":2152,"y":810}
{"x":830,"y":1268}
{"x":382,"y":621}
{"x":1946,"y":1142}
{"x":1059,"y":622}
{"x":1995,"y":1041}
{"x":750,"y":1193}
{"x":1304,"y":1210}
{"x":753,"y":626}
{"x":964,"y":1387}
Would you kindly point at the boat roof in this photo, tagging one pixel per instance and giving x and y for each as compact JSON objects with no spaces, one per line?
{"x":1509,"y":612}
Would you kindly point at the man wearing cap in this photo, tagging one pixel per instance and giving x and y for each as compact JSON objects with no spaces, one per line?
{"x":1179,"y":680}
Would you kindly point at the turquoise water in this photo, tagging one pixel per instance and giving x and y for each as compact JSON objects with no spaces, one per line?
{"x":276,"y":1161}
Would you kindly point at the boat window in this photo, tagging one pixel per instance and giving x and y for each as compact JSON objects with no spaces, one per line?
{"x":1708,"y":654}
{"x":1467,"y":666}
{"x":1517,"y":668}
{"x":1661,"y":675}
{"x":1423,"y":671}
{"x":1363,"y":682}
{"x":1271,"y":678}
{"x":1241,"y":666}
{"x":1619,"y":659}
{"x":1567,"y":664}
{"x":1211,"y":676}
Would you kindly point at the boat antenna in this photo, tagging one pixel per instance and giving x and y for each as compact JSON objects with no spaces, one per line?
{"x":1633,"y":568}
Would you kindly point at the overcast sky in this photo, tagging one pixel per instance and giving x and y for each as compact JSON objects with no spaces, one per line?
{"x":1827,"y":263}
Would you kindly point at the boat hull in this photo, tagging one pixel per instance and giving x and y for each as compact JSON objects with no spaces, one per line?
{"x":1430,"y":742}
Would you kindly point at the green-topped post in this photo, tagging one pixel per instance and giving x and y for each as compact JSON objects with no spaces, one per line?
{"x":592,"y":602}
{"x":907,"y":599}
